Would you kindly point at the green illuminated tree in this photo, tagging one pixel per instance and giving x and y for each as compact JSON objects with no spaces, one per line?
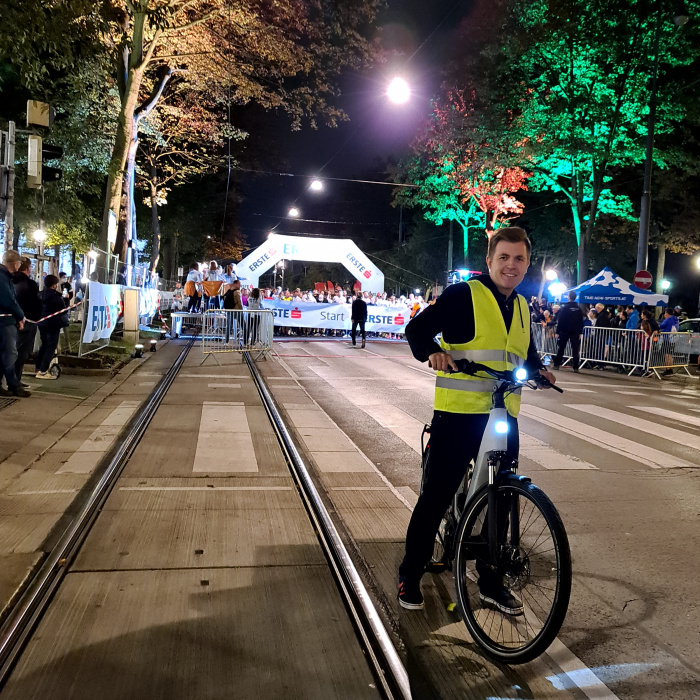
{"x":577,"y":74}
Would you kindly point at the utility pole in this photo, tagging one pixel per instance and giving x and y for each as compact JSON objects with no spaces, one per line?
{"x":9,"y":164}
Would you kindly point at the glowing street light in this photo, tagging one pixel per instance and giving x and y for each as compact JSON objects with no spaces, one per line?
{"x":398,"y":91}
{"x":92,"y":254}
{"x":293,"y":212}
{"x":697,"y":261}
{"x":316,"y":185}
{"x":39,"y":235}
{"x":551,"y":275}
{"x":665,"y":285}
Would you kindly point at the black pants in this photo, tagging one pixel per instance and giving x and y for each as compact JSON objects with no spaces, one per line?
{"x":25,"y":346}
{"x":49,"y":343}
{"x":575,"y":340}
{"x":455,"y":439}
{"x":194,"y":303}
{"x":355,"y":324}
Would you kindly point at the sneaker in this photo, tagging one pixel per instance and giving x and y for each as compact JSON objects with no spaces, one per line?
{"x":667,"y":373}
{"x":502,"y":599}
{"x":556,"y":367}
{"x":21,"y":393}
{"x":363,"y":343}
{"x":44,"y":375}
{"x":5,"y":392}
{"x":410,"y":596}
{"x":24,"y":386}
{"x":576,"y":370}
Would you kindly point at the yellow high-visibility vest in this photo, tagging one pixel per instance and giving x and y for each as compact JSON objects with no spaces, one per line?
{"x":493,"y":345}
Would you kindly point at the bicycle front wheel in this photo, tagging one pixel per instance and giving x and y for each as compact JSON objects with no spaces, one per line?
{"x":533,"y":563}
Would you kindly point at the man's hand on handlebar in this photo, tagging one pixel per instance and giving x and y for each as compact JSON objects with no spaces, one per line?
{"x":442,"y":362}
{"x":548,"y":376}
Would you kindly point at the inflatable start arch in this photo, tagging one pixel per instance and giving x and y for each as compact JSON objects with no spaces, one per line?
{"x":332,"y":250}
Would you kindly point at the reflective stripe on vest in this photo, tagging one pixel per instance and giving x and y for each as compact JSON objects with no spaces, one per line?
{"x":494,"y":346}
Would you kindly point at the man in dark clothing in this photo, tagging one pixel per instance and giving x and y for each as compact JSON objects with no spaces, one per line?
{"x":50,"y":329}
{"x":27,"y":291}
{"x":467,"y":317}
{"x":11,"y":320}
{"x":358,"y":316}
{"x":64,"y":286}
{"x":569,"y":329}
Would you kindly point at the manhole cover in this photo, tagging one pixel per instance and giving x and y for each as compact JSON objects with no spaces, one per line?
{"x":4,"y":403}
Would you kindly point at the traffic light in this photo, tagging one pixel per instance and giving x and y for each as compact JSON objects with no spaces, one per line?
{"x":39,"y":153}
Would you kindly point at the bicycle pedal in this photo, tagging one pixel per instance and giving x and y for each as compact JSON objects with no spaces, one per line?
{"x":437,"y":567}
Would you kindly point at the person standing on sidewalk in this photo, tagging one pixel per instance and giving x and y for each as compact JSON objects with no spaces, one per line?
{"x":358,"y":317}
{"x":11,"y":321}
{"x":50,"y":329}
{"x":27,"y":291}
{"x":569,"y":330}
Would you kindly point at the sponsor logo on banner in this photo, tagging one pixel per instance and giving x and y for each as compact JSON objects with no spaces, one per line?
{"x":296,"y":313}
{"x":399,"y":320}
{"x":104,"y":308}
{"x":367,"y":273}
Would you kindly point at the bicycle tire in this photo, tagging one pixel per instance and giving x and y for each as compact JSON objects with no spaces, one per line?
{"x":505,"y":638}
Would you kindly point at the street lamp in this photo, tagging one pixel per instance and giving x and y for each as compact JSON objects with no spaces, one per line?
{"x":679,"y":19}
{"x":398,"y":91}
{"x":293,"y":212}
{"x":697,"y":261}
{"x":316,"y":186}
{"x":551,"y":275}
{"x":665,"y":285}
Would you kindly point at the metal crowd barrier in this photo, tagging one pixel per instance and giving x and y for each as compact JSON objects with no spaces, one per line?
{"x":225,"y":330}
{"x":629,"y":349}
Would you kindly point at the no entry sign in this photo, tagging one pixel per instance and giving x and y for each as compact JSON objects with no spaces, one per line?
{"x":642,"y":279}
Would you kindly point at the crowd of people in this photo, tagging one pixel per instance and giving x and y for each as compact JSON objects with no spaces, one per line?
{"x":24,"y":307}
{"x":564,"y":324}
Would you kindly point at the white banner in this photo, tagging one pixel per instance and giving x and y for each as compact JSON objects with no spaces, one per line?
{"x":105,"y":304}
{"x":380,"y":319}
{"x":148,"y":302}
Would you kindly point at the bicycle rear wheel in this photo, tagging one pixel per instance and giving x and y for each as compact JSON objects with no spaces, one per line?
{"x":533,"y":562}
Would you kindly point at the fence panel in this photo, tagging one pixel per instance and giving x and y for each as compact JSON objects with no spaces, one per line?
{"x":227,"y":330}
{"x":670,"y":350}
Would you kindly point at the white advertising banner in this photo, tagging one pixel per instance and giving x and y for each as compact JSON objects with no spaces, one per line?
{"x":148,"y":302}
{"x":333,"y":250}
{"x":380,"y":319}
{"x":105,"y":304}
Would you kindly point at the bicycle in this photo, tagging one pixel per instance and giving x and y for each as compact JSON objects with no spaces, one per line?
{"x":501,"y":522}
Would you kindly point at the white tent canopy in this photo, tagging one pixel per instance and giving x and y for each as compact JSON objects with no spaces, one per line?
{"x":332,"y":250}
{"x":608,"y":288}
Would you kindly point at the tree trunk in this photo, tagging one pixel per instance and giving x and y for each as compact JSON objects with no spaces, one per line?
{"x":449,"y":247}
{"x":584,"y":245}
{"x":72,"y":263}
{"x":155,"y":252}
{"x":660,"y":264}
{"x":121,"y":243}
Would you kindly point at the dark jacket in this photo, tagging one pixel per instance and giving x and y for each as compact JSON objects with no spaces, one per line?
{"x":570,"y":319}
{"x":452,"y":314}
{"x":8,"y":300}
{"x":27,"y":291}
{"x":232,"y":300}
{"x":52,"y":301}
{"x":603,"y":320}
{"x":359,"y":310}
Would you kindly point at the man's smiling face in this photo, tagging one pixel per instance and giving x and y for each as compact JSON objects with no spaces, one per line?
{"x":508,"y":265}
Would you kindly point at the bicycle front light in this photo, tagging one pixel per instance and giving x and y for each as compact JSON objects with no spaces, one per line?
{"x":501,"y":427}
{"x":521,"y":374}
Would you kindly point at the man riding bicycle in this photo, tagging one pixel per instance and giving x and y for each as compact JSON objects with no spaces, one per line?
{"x":486,"y":321}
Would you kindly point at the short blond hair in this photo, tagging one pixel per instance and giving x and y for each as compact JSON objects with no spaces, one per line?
{"x":11,"y":256}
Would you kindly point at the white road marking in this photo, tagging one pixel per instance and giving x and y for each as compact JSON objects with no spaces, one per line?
{"x":86,"y":457}
{"x":580,"y":391}
{"x":41,"y":493}
{"x":630,"y":393}
{"x":224,"y":386}
{"x":399,"y":422}
{"x":213,"y":376}
{"x":681,"y":417}
{"x":224,"y":443}
{"x":549,"y":458}
{"x":600,"y":438}
{"x":680,"y":437}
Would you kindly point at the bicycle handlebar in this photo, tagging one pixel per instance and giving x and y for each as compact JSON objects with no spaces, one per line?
{"x":469,"y":367}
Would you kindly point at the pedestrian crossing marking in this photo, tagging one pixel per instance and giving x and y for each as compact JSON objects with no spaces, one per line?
{"x":674,"y":415}
{"x":679,"y":437}
{"x":630,"y":393}
{"x":541,"y":453}
{"x":647,"y":456}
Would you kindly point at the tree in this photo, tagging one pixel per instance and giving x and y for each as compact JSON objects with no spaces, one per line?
{"x":282,"y":55}
{"x":577,"y":75}
{"x":459,"y":170}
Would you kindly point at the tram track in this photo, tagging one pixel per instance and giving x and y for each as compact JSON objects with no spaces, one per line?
{"x":23,"y":619}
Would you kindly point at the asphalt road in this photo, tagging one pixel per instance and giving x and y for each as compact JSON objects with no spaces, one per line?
{"x":619,"y":457}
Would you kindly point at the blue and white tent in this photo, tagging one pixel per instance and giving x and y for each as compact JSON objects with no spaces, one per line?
{"x":608,"y":288}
